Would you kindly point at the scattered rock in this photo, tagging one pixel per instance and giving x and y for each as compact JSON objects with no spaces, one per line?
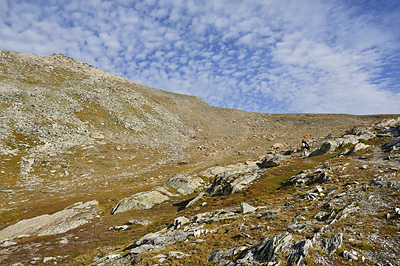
{"x":47,"y":259}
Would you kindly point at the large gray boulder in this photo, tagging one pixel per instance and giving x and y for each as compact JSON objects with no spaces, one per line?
{"x":272,"y":161}
{"x":141,"y":200}
{"x":332,"y":145}
{"x":246,"y":208}
{"x":361,"y":133}
{"x":359,"y":146}
{"x":352,"y":137}
{"x":183,"y":184}
{"x":180,"y":221}
{"x":226,"y":184}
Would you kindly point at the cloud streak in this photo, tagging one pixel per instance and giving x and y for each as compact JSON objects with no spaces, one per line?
{"x":265,"y":56}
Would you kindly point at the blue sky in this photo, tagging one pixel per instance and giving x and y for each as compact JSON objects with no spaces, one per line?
{"x":270,"y":56}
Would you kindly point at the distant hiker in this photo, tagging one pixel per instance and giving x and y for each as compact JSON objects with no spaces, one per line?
{"x":305,"y":146}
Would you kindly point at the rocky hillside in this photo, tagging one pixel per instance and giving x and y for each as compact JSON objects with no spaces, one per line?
{"x":98,"y":169}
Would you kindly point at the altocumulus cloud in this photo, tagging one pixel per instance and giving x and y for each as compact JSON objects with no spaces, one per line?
{"x":269,"y":56}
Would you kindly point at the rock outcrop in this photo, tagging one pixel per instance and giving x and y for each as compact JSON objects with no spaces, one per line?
{"x":59,"y":222}
{"x":352,"y":137}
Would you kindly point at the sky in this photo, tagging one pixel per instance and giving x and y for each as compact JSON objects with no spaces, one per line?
{"x":269,"y":56}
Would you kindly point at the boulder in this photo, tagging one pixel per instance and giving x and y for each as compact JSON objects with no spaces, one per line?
{"x":246,"y":208}
{"x":359,"y":146}
{"x":272,"y":161}
{"x":220,"y":256}
{"x":309,"y":177}
{"x":165,"y":191}
{"x":140,"y":222}
{"x":392,"y":145}
{"x":180,"y":221}
{"x":349,"y":255}
{"x":330,"y":244}
{"x":300,"y":250}
{"x":327,"y":146}
{"x":184,"y":185}
{"x":332,"y":145}
{"x":352,"y":137}
{"x":278,"y":146}
{"x":226,"y":184}
{"x":177,"y":254}
{"x":193,"y":201}
{"x":361,"y":133}
{"x":269,"y":249}
{"x":157,"y":240}
{"x":390,"y":128}
{"x":141,"y":200}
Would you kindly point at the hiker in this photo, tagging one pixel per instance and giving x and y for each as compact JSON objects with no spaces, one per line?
{"x":305,"y":146}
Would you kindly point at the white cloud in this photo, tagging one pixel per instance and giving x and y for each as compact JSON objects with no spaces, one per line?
{"x":267,"y":56}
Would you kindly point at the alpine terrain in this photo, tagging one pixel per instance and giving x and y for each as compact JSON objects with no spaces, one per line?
{"x":98,"y":170}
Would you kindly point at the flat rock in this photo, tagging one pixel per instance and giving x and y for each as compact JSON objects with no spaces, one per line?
{"x":59,"y":222}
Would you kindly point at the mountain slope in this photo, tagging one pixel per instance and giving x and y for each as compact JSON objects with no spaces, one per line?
{"x":70,"y":132}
